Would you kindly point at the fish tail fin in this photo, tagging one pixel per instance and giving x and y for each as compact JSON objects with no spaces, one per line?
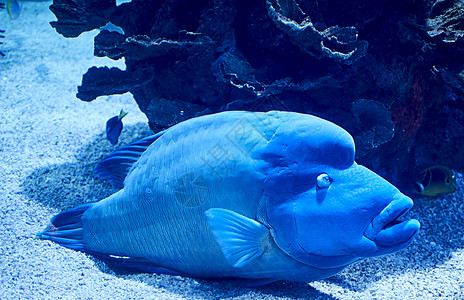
{"x":122,"y":114}
{"x":66,"y":228}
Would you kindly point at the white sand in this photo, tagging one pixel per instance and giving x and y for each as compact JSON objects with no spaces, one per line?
{"x":49,"y":144}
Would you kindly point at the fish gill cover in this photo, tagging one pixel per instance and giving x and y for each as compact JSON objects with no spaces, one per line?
{"x":390,"y":72}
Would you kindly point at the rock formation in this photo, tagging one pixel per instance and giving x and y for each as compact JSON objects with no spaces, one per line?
{"x":390,"y":72}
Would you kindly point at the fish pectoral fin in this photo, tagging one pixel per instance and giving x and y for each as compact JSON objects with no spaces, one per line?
{"x":241,"y":239}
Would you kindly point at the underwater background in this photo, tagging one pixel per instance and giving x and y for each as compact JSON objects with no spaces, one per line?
{"x":389,"y":72}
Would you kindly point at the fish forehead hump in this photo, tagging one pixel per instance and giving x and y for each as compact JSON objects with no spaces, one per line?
{"x":309,"y":141}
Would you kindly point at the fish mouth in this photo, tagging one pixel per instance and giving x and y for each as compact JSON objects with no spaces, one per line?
{"x":387,"y":230}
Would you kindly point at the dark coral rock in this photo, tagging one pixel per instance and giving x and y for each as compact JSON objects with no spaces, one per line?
{"x":76,"y":16}
{"x":409,"y":116}
{"x":338,"y":43}
{"x":374,"y":125}
{"x":447,"y":20}
{"x":110,"y":44}
{"x":443,"y":140}
{"x":390,"y":72}
{"x":105,"y":81}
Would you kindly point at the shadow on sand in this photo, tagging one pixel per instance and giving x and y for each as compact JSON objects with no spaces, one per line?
{"x":68,"y":185}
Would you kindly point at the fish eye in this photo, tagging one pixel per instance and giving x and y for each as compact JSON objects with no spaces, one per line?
{"x":323,"y":180}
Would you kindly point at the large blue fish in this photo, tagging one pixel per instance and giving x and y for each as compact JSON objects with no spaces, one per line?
{"x":257,"y":197}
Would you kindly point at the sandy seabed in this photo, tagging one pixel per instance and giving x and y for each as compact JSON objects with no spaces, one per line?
{"x":49,"y":144}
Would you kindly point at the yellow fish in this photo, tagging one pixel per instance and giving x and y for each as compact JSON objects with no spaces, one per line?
{"x":14,"y":8}
{"x":436,"y":180}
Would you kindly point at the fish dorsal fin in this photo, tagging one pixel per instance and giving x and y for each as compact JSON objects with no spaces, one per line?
{"x":116,"y":165}
{"x":241,"y":239}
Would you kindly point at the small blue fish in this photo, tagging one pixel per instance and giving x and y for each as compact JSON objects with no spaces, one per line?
{"x":259,"y":197}
{"x":114,"y":127}
{"x":14,"y":9}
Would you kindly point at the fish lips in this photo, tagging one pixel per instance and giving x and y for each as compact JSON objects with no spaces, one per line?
{"x":386,"y":230}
